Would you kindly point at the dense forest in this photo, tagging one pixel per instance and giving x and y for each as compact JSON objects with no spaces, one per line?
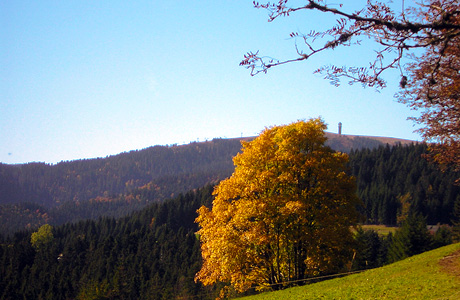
{"x":387,"y":174}
{"x":35,"y":194}
{"x":152,"y":254}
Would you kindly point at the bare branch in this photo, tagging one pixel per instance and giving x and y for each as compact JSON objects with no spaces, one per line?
{"x":375,"y":21}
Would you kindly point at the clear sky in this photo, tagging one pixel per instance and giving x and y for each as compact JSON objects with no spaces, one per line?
{"x":84,"y":79}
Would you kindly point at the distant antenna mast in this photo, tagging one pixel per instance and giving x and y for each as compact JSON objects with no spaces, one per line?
{"x":340,"y":128}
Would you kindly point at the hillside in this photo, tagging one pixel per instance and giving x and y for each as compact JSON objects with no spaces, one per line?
{"x":430,"y":275}
{"x":81,"y":180}
{"x":153,"y":253}
{"x":131,"y":244}
{"x":345,"y":143}
{"x":37,"y":193}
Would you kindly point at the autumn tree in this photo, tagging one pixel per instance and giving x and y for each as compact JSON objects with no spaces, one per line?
{"x":42,"y":237}
{"x":433,"y":88}
{"x":403,"y":213}
{"x":284,"y":214}
{"x":421,"y":41}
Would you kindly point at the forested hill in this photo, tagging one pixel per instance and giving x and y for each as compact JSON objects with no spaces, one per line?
{"x":387,"y":175}
{"x":346,"y":143}
{"x":180,"y":167}
{"x":152,"y":254}
{"x":36,"y":193}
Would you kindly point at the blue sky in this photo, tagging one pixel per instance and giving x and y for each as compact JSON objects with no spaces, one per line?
{"x":84,"y":79}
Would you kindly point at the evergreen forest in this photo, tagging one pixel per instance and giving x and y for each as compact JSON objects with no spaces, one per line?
{"x":152,"y":254}
{"x":140,"y":242}
{"x":386,"y":174}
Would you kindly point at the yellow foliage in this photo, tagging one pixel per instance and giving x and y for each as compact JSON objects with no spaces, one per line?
{"x":42,"y":237}
{"x":284,"y":214}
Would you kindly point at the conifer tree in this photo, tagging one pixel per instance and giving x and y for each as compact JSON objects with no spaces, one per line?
{"x":411,"y":239}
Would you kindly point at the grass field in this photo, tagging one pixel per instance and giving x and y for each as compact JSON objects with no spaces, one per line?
{"x":380,"y":229}
{"x":430,"y":275}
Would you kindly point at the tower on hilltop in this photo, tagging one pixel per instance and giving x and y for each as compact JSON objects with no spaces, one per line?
{"x":340,"y":128}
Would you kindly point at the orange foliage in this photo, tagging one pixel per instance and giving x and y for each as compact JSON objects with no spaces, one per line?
{"x":434,"y":89}
{"x":284,"y":214}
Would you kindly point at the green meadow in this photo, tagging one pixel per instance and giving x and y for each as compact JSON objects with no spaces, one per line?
{"x":430,"y":275}
{"x":380,"y":229}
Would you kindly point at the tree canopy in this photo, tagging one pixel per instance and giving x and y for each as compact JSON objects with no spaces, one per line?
{"x":284,"y":214}
{"x":42,"y":237}
{"x":420,"y":40}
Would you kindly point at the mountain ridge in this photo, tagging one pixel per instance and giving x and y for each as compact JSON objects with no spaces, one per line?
{"x":112,"y":186}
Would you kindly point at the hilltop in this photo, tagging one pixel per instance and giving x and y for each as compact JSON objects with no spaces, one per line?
{"x":345,"y":143}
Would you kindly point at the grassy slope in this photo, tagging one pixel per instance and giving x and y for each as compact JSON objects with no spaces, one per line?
{"x":380,"y":229}
{"x":418,"y":277}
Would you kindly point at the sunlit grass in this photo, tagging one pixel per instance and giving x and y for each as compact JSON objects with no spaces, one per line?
{"x":380,"y":229}
{"x":418,"y":277}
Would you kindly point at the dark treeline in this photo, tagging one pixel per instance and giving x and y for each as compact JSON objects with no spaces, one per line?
{"x":413,"y":237}
{"x":386,"y":174}
{"x":152,"y":254}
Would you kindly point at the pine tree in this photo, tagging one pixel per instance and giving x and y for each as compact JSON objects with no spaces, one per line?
{"x":411,"y":239}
